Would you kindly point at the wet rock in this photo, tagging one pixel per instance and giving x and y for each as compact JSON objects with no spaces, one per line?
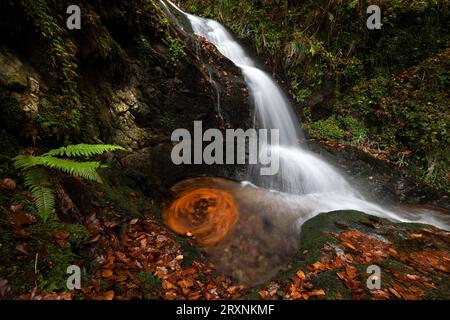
{"x":341,"y":245}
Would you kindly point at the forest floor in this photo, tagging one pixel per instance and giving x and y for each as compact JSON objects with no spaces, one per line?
{"x":138,"y":258}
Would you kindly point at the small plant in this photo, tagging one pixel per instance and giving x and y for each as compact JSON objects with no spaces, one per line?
{"x":328,"y":129}
{"x":176,"y":50}
{"x":37,"y":171}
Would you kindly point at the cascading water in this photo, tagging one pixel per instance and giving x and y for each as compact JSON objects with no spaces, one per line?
{"x":313,"y":186}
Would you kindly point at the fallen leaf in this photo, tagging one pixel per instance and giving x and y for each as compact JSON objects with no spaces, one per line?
{"x":168,"y":285}
{"x":107,"y":273}
{"x":61,"y":235}
{"x":110,"y":224}
{"x":412,"y":277}
{"x":301,"y":274}
{"x":19,"y":219}
{"x":319,"y":292}
{"x":395,"y":293}
{"x":318,"y":266}
{"x":5,"y":287}
{"x":21,"y":248}
{"x":108,"y":295}
{"x":187,"y":283}
{"x":349,"y":245}
{"x":8,"y":184}
{"x":416,"y":235}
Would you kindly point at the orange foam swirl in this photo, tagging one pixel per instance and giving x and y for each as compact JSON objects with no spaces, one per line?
{"x":206,"y":213}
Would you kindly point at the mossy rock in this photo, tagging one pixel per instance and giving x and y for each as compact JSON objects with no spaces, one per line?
{"x":412,"y":257}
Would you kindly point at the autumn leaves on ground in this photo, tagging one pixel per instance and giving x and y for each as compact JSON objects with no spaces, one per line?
{"x":139,"y":258}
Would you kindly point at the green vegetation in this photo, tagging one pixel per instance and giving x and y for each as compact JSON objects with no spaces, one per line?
{"x":37,"y":171}
{"x":408,"y":114}
{"x":328,"y":129}
{"x":176,"y":50}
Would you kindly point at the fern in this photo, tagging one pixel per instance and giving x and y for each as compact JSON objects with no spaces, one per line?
{"x":86,"y":170}
{"x":38,"y":180}
{"x":83,"y":150}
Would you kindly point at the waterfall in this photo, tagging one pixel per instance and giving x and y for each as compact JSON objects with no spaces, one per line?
{"x":314,"y":185}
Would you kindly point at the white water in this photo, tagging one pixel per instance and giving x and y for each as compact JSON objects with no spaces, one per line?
{"x":314,"y":185}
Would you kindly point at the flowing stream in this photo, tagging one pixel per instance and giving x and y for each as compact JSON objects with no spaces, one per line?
{"x":307,"y":182}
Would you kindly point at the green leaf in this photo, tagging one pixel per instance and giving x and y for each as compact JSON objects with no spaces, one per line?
{"x":86,"y":170}
{"x":38,"y":181}
{"x":83,"y":150}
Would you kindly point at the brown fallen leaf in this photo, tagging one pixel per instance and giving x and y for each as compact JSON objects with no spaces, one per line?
{"x":186,"y":283}
{"x":20,"y":219}
{"x":61,"y":235}
{"x":168,"y":285}
{"x":21,"y":248}
{"x":416,"y":235}
{"x":5,"y":287}
{"x":95,"y":239}
{"x":264,"y":294}
{"x":319,"y":292}
{"x":194,"y":296}
{"x":110,"y":224}
{"x":8,"y":184}
{"x":108,"y":295}
{"x":121,"y":277}
{"x":392,"y":251}
{"x":395,"y":293}
{"x":301,"y":275}
{"x":412,"y":277}
{"x":107,"y":273}
{"x":60,"y":242}
{"x":349,"y":245}
{"x":318,"y":266}
{"x":296,"y":295}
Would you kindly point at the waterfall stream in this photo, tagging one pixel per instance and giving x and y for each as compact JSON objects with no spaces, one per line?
{"x":307,"y":182}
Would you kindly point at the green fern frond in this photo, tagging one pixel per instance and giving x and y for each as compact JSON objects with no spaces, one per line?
{"x":38,"y":181}
{"x":86,"y":170}
{"x":25,"y":162}
{"x":83,"y":150}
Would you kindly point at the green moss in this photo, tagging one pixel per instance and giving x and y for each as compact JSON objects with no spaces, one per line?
{"x":79,"y":235}
{"x":409,"y":112}
{"x":46,"y":263}
{"x":356,"y":129}
{"x":118,"y":197}
{"x":150,"y":284}
{"x":332,"y":285}
{"x":52,"y":269}
{"x":176,"y":49}
{"x":53,"y":259}
{"x":328,"y":129}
